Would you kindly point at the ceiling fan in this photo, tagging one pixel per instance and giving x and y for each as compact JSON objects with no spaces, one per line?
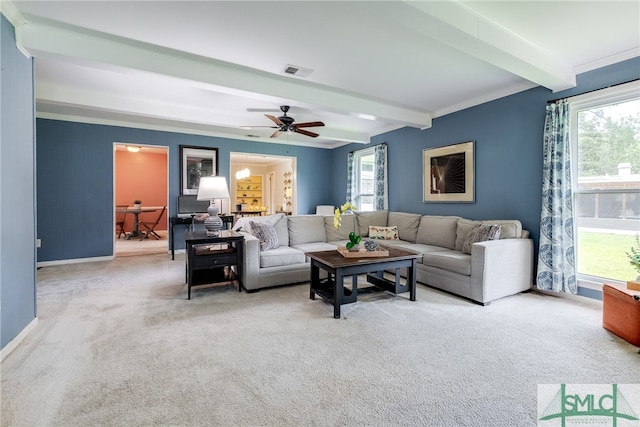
{"x":287,"y":124}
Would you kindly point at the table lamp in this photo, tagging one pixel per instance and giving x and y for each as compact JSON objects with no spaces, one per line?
{"x":211,"y":188}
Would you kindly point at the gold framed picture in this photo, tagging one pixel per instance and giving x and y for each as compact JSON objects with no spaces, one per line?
{"x":448,"y":173}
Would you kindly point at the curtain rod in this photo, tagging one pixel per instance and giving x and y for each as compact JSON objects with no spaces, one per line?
{"x":589,"y":91}
{"x":382,"y":143}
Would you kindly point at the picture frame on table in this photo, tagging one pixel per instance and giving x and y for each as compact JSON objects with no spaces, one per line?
{"x":196,"y":162}
{"x":449,"y":173}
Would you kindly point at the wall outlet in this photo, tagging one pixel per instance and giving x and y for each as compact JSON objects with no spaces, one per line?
{"x":38,"y":243}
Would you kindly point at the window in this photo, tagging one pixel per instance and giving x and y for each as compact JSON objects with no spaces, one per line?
{"x":606,"y":185}
{"x":363,"y":185}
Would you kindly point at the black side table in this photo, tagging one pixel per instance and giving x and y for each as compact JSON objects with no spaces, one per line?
{"x":227,"y":221}
{"x":207,"y":256}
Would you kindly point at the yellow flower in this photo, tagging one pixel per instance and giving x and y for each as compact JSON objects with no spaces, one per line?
{"x":337,"y":216}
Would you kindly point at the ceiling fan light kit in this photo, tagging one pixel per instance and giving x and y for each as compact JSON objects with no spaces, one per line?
{"x":286,"y":123}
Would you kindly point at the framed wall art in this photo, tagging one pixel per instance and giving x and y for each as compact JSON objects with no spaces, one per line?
{"x":196,"y":162}
{"x":448,"y":173}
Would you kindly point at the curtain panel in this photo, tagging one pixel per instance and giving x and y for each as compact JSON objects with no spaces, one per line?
{"x":350,"y":177}
{"x":556,"y":257}
{"x":380,"y":200}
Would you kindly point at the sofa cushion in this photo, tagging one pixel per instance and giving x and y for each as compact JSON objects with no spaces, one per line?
{"x":383,"y":233}
{"x":266,"y":233}
{"x":281,"y":256}
{"x":348,"y":225}
{"x":365,"y":219}
{"x":463,"y":228}
{"x":480,"y":233}
{"x":315,"y":247}
{"x":438,"y":231}
{"x":454,"y":261}
{"x":306,"y":229}
{"x":407,"y":224}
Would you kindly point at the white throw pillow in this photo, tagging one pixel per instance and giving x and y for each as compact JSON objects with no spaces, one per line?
{"x":384,"y":233}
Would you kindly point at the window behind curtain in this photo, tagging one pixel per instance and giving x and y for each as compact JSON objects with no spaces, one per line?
{"x":363,"y":179}
{"x":606,"y":141}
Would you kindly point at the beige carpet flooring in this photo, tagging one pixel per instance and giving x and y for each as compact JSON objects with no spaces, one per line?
{"x":118,"y":344}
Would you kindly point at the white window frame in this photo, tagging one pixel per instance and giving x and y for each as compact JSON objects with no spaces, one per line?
{"x":357,"y":178}
{"x":599,"y":98}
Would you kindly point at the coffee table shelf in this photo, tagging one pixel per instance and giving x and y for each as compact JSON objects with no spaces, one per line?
{"x":332,"y":290}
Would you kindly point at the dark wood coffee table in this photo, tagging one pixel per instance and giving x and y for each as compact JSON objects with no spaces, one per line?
{"x":332,"y":289}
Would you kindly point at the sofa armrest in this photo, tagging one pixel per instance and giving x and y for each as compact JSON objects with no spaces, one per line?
{"x":251,"y":261}
{"x":500,"y":268}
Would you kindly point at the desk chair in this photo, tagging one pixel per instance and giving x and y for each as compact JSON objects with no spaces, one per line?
{"x":120,"y":218}
{"x":150,"y":226}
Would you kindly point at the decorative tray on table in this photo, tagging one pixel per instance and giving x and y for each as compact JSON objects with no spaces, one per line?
{"x":362,"y":253}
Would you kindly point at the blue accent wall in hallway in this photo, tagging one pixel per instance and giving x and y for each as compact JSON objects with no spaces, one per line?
{"x":75,"y":180}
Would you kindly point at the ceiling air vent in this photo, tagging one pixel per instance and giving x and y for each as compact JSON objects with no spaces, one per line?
{"x":294,"y":70}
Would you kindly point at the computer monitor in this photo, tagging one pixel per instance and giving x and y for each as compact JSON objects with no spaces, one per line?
{"x":188,"y":205}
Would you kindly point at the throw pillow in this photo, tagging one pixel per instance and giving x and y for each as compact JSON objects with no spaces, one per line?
{"x":384,"y":233}
{"x":481,"y":233}
{"x":266,"y":233}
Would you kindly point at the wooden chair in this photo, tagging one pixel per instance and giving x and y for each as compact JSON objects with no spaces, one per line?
{"x":150,"y":226}
{"x":120,"y":218}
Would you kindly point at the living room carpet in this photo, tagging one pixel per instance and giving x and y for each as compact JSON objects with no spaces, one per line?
{"x":118,"y":343}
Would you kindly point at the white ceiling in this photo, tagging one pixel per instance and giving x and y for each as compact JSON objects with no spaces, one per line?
{"x":197,"y":67}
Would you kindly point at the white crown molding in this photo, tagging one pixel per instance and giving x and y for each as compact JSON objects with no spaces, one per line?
{"x":609,"y":60}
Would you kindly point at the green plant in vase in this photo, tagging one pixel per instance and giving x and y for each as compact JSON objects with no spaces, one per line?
{"x":354,"y":239}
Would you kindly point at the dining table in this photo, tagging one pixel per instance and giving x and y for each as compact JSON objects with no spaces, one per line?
{"x":136,"y":212}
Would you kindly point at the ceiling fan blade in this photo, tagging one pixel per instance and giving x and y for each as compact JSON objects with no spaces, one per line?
{"x":276,"y":134}
{"x":253,"y":127}
{"x":309,"y":124}
{"x":274,"y":119}
{"x":306,"y":132}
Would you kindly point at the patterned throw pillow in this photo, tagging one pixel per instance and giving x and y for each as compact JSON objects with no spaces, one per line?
{"x":481,"y":233}
{"x":266,"y":233}
{"x":384,"y":233}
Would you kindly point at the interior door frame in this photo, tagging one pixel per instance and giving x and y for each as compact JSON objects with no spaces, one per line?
{"x":113,"y":185}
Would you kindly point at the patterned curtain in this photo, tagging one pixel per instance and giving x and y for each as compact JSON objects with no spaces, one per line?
{"x":350,"y":180}
{"x":556,"y":258}
{"x":380,"y":200}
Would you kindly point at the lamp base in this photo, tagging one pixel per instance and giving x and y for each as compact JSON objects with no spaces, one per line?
{"x":213,"y":223}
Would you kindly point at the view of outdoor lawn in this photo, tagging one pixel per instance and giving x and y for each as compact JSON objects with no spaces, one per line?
{"x":607,"y":202}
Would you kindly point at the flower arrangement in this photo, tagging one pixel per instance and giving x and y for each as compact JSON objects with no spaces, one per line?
{"x":354,"y":239}
{"x":137,"y":201}
{"x":634,"y":254}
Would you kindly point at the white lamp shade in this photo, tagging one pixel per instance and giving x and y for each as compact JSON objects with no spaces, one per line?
{"x":213,"y":187}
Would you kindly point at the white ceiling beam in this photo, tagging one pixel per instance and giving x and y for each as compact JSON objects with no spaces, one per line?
{"x":455,"y":25}
{"x":77,"y":99}
{"x":72,"y":42}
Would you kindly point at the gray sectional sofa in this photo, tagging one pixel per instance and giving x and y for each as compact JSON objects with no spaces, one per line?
{"x":494,"y":268}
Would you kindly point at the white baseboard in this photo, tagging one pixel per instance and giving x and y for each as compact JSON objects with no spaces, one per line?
{"x":7,"y":349}
{"x":74,"y":261}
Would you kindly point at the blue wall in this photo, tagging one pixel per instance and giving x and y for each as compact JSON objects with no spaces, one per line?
{"x":17,"y":185}
{"x":75,"y":180}
{"x":508,"y":153}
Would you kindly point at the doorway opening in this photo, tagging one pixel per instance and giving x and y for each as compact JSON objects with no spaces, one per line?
{"x":268,"y":186}
{"x":140,"y":174}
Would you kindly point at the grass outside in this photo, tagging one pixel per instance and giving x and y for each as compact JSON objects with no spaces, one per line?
{"x":603,"y":255}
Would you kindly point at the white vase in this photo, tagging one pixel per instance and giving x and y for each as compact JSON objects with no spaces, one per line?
{"x":136,"y":206}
